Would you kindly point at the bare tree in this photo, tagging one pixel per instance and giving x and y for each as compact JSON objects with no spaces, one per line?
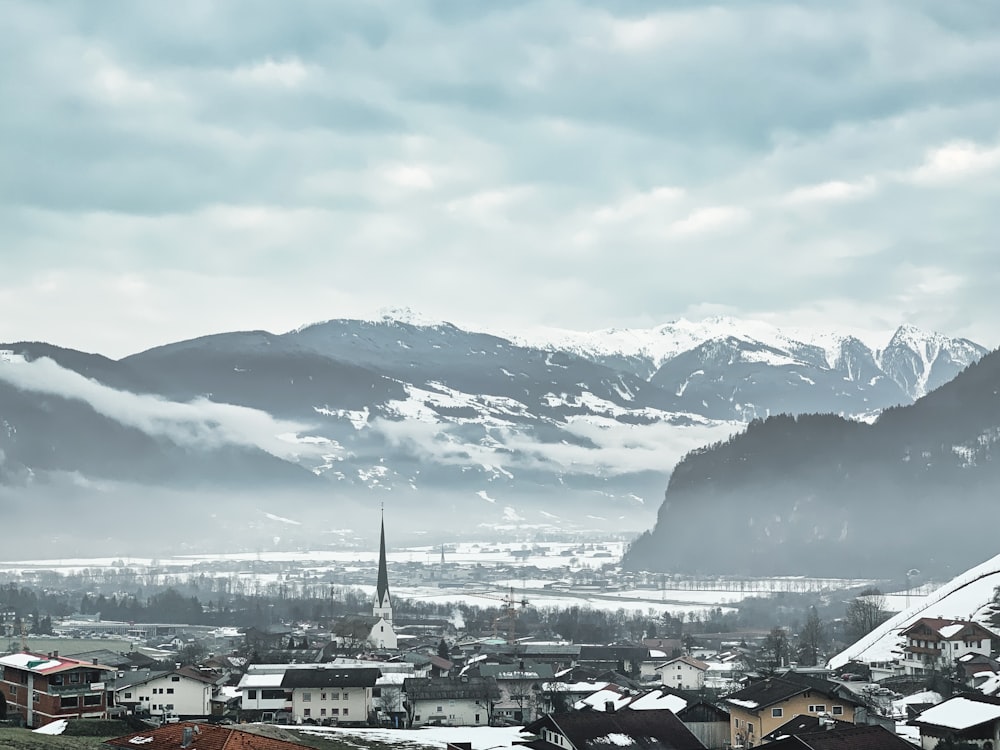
{"x":865,"y":612}
{"x":811,"y":639}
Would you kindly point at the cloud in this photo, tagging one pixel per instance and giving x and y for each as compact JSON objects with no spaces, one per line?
{"x":831,"y":191}
{"x":956,"y":161}
{"x":615,"y":165}
{"x":201,"y":422}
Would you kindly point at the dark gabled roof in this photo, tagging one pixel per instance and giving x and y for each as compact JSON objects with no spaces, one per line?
{"x":336,"y":677}
{"x":104,"y":656}
{"x":802,"y":724}
{"x":767,"y":692}
{"x":138,"y":677}
{"x":613,"y":653}
{"x":853,"y":737}
{"x":445,"y":688}
{"x":597,"y":730}
{"x":763,"y":693}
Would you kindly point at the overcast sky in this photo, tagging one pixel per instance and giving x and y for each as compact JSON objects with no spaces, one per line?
{"x":171,"y":169}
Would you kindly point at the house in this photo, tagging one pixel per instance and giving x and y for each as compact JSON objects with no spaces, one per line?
{"x":44,"y":687}
{"x":262,"y":695}
{"x":191,"y":735}
{"x":466,"y":701}
{"x":598,"y":730}
{"x":973,"y":719}
{"x":330,"y":694}
{"x":933,"y":642}
{"x":520,"y":688}
{"x":852,"y":737}
{"x":764,"y":705}
{"x":183,"y":692}
{"x":683,"y":672}
{"x":624,"y":659}
{"x":710,"y":724}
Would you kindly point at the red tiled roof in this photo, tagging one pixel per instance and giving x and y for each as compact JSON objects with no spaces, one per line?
{"x":205,"y":737}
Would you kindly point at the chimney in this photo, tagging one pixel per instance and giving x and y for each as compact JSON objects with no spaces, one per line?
{"x":55,"y":654}
{"x":187,"y":737}
{"x":609,"y":707}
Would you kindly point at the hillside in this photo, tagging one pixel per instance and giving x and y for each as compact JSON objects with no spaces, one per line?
{"x":818,"y":494}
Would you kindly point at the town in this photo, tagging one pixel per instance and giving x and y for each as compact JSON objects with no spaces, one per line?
{"x":321,"y":649}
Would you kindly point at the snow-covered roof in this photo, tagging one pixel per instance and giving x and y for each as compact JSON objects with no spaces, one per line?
{"x":949,"y":630}
{"x":960,"y":713}
{"x":743,"y":703}
{"x":599,"y":700}
{"x":272,"y":679}
{"x":655,"y":699}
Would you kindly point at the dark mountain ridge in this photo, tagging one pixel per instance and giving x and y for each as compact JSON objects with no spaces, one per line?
{"x":818,"y":494}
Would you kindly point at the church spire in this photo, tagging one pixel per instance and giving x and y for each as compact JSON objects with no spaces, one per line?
{"x":383,"y":604}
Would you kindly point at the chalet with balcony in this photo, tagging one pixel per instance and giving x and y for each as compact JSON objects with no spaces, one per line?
{"x":932,"y":643}
{"x":44,"y":687}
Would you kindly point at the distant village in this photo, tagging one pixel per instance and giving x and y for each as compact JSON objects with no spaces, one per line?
{"x":373,"y":668}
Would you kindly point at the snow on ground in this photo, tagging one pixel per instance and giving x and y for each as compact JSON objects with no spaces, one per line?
{"x":966,"y":597}
{"x":482,"y":738}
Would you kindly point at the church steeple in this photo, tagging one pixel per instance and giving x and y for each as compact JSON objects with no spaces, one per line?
{"x":383,"y":603}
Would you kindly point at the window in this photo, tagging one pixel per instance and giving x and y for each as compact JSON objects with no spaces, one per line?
{"x":838,"y":710}
{"x":75,"y":677}
{"x":322,"y":696}
{"x":307,"y":697}
{"x":169,"y":707}
{"x":345,"y":712}
{"x":92,"y":700}
{"x":819,"y":708}
{"x":306,"y":711}
{"x":69,"y":702}
{"x":336,"y":712}
{"x":346,"y":696}
{"x":128,"y":695}
{"x":776,"y":713}
{"x":322,"y":712}
{"x":175,"y":678}
{"x":440,"y":709}
{"x":170,"y":691}
{"x":13,"y":690}
{"x":34,"y":697}
{"x":251,"y":695}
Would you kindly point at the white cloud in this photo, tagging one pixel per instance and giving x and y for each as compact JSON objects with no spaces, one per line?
{"x":956,"y":161}
{"x":288,"y":73}
{"x":200,"y":422}
{"x":710,"y":219}
{"x":831,"y":191}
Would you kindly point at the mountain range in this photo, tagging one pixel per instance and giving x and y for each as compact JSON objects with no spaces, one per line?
{"x":285,"y":434}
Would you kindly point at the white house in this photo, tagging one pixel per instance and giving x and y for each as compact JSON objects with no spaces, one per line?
{"x":684,"y":672}
{"x":183,"y":692}
{"x":261,"y":690}
{"x":331,"y":695}
{"x":462,"y":702}
{"x":932,"y":643}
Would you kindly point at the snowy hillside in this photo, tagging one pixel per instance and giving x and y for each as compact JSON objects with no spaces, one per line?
{"x":966,"y":597}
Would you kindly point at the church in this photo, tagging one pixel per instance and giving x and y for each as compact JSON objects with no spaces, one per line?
{"x":372,"y":631}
